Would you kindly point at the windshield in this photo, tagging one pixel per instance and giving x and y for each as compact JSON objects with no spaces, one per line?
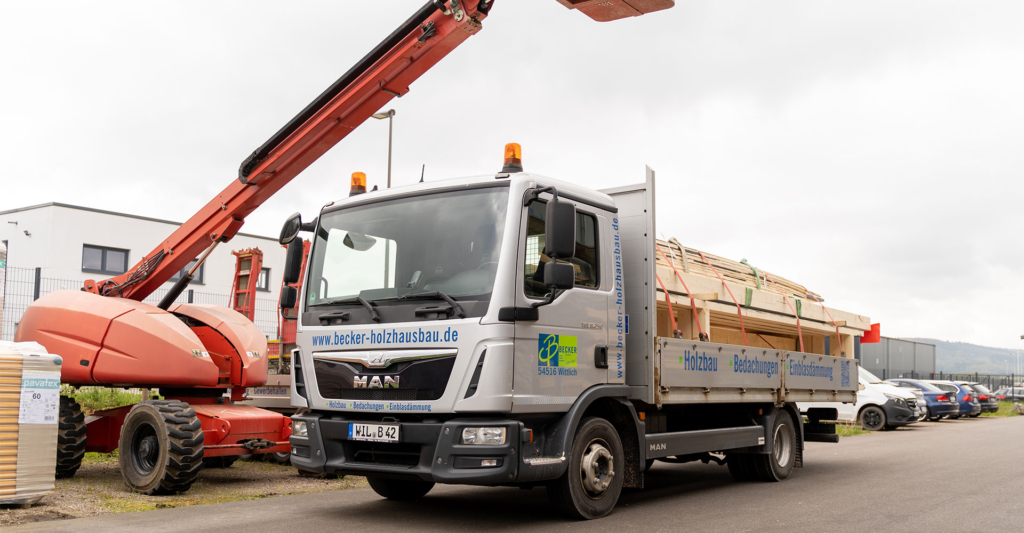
{"x":444,"y":242}
{"x":869,"y":377}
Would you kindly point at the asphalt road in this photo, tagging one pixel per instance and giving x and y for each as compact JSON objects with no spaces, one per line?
{"x":965,"y":475}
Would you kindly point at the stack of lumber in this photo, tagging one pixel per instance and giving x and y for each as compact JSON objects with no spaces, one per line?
{"x":29,"y":403}
{"x":690,"y":260}
{"x":769,"y":311}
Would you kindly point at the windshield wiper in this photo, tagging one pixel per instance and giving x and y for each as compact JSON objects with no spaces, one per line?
{"x":456,"y":308}
{"x":354,"y":300}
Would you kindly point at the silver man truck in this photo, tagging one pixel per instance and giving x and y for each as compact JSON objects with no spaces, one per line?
{"x":500,"y":330}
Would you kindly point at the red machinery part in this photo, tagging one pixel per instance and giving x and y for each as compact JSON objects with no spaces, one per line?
{"x":874,"y":335}
{"x":608,"y":10}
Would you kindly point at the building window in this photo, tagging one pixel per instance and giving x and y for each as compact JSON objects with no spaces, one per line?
{"x":104,"y":260}
{"x":263,"y":282}
{"x":197,"y":280}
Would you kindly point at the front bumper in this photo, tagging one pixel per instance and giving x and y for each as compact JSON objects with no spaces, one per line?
{"x":898,"y":414}
{"x":430,"y":451}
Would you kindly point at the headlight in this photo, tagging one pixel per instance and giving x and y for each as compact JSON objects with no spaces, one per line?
{"x":299,"y":428}
{"x":895,"y":398}
{"x":483,"y":436}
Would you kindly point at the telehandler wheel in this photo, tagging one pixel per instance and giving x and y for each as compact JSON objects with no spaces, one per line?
{"x":402,"y":490}
{"x":161,"y":447}
{"x":592,"y":483}
{"x":70,"y":437}
{"x":778,"y":465}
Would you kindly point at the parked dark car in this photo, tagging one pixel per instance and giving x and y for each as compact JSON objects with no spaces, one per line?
{"x":985,"y":397}
{"x":969,"y":405}
{"x":938,"y":403}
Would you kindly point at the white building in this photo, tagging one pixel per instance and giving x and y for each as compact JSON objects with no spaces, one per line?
{"x":69,"y":244}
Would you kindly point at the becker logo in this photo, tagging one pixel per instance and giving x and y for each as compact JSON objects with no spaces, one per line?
{"x":360,"y":382}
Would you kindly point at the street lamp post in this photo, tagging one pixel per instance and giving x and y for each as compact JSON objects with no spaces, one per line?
{"x":390,"y":115}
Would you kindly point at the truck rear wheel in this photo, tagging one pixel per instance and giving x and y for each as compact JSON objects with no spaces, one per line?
{"x":161,"y":447}
{"x":778,"y":465}
{"x":402,"y":490}
{"x":70,"y":438}
{"x":592,"y":483}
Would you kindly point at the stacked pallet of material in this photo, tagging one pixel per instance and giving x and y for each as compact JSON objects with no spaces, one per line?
{"x":747,"y":306}
{"x":29,"y":403}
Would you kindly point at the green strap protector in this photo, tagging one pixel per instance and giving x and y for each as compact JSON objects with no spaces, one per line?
{"x":749,"y":298}
{"x":799,"y":308}
{"x":757,"y":277}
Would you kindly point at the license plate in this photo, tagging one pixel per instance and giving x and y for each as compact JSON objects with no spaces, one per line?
{"x":373,"y":432}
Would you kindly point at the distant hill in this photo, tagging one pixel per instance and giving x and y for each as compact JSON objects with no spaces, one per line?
{"x":965,"y":357}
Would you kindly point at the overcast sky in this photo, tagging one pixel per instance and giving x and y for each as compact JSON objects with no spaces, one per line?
{"x":870,"y":150}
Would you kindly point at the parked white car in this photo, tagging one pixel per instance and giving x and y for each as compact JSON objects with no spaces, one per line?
{"x":880,"y":405}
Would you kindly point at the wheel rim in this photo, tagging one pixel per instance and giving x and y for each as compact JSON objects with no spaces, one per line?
{"x":145,"y":448}
{"x":872,"y":419}
{"x":597,"y":469}
{"x":783,"y":446}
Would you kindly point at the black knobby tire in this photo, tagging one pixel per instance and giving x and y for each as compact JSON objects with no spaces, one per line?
{"x":778,"y":465}
{"x":70,"y":438}
{"x":161,"y":447}
{"x":219,"y":462}
{"x":592,"y":482}
{"x":402,"y":490}
{"x":872,"y":418}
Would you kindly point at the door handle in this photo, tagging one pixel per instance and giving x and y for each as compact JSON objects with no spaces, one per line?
{"x":601,"y":356}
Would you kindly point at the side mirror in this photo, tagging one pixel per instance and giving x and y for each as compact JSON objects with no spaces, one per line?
{"x":293,"y":262}
{"x":290,"y":229}
{"x":560,"y":230}
{"x":561,"y":276}
{"x":288,"y":297}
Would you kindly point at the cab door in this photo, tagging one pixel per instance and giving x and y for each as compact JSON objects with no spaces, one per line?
{"x":555,"y":355}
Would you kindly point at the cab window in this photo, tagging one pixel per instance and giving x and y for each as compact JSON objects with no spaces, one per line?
{"x":584,"y":263}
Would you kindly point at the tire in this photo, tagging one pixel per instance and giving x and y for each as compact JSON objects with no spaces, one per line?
{"x":777,"y":465}
{"x":281,"y":458}
{"x":220,"y":462}
{"x":976,"y":416}
{"x":934,"y":418}
{"x":70,"y":438}
{"x":402,"y":490}
{"x":592,"y":483}
{"x":741,"y":466}
{"x":954,"y":417}
{"x":872,"y":418}
{"x":161,"y":447}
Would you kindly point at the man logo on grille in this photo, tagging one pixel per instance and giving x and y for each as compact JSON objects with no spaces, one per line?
{"x":360,"y":382}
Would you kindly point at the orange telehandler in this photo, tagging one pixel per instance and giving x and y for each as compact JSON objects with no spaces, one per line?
{"x":194,"y":353}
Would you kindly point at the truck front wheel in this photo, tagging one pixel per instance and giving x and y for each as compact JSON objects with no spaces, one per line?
{"x":591,"y":485}
{"x":402,"y":490}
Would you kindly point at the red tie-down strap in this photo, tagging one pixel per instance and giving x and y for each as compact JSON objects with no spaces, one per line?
{"x":671,"y":313}
{"x":739,"y":310}
{"x":839,"y":340}
{"x":701,"y":336}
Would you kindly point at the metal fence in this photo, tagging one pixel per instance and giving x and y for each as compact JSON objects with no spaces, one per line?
{"x":25,"y":285}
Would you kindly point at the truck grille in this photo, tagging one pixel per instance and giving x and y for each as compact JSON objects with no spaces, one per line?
{"x":407,"y":381}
